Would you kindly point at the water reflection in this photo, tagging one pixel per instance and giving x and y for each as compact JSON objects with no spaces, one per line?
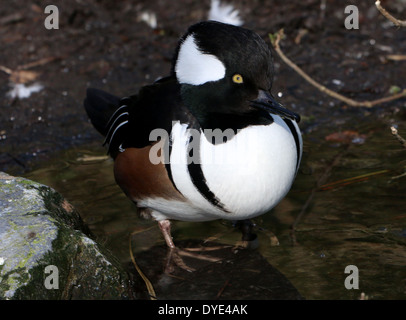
{"x":360,"y":221}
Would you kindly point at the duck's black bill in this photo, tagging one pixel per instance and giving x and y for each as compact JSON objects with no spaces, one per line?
{"x":267,"y":102}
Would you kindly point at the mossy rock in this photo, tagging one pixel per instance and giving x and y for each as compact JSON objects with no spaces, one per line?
{"x":46,"y":252}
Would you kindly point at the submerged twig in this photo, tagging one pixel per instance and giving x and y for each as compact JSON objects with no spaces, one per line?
{"x":399,"y":176}
{"x":397,"y":22}
{"x":320,"y":182}
{"x":148,"y":283}
{"x":344,"y":182}
{"x":403,"y":143}
{"x":223,"y":288}
{"x":275,"y":39}
{"x":397,"y":136}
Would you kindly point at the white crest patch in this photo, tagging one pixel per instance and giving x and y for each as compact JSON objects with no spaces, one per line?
{"x":224,"y":13}
{"x":195,"y":67}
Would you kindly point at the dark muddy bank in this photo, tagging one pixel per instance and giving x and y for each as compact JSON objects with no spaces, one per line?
{"x":106,"y":45}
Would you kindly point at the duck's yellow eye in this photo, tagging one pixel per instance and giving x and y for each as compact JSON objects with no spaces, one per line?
{"x":237,"y":78}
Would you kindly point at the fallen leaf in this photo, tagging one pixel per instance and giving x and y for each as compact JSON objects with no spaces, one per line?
{"x":346,"y":137}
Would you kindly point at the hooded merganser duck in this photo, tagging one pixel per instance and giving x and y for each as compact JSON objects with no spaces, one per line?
{"x":207,"y":142}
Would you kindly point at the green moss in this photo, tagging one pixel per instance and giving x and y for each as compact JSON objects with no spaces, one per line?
{"x":35,"y":289}
{"x":27,"y":182}
{"x":53,"y":202}
{"x":86,"y":271}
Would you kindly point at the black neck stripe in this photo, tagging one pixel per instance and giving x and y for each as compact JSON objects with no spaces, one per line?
{"x":168,"y":167}
{"x":198,"y":179}
{"x":197,"y":176}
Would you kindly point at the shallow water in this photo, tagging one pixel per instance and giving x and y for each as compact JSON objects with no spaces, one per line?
{"x":356,"y":214}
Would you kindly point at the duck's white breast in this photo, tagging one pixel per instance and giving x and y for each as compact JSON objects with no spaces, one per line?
{"x":253,"y":171}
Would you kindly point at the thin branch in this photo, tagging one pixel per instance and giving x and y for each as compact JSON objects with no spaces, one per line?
{"x":6,"y":70}
{"x":396,"y":57}
{"x":275,"y":42}
{"x":39,"y":62}
{"x":388,"y":16}
{"x":22,"y":75}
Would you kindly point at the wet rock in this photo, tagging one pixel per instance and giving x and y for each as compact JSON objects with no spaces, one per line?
{"x":45,"y":252}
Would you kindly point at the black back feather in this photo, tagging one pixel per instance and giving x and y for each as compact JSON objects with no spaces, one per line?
{"x":100,"y":106}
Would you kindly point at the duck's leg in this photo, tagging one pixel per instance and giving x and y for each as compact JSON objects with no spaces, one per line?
{"x":165,"y":226}
{"x":246,"y":227}
{"x":174,"y":253}
{"x":248,"y":239}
